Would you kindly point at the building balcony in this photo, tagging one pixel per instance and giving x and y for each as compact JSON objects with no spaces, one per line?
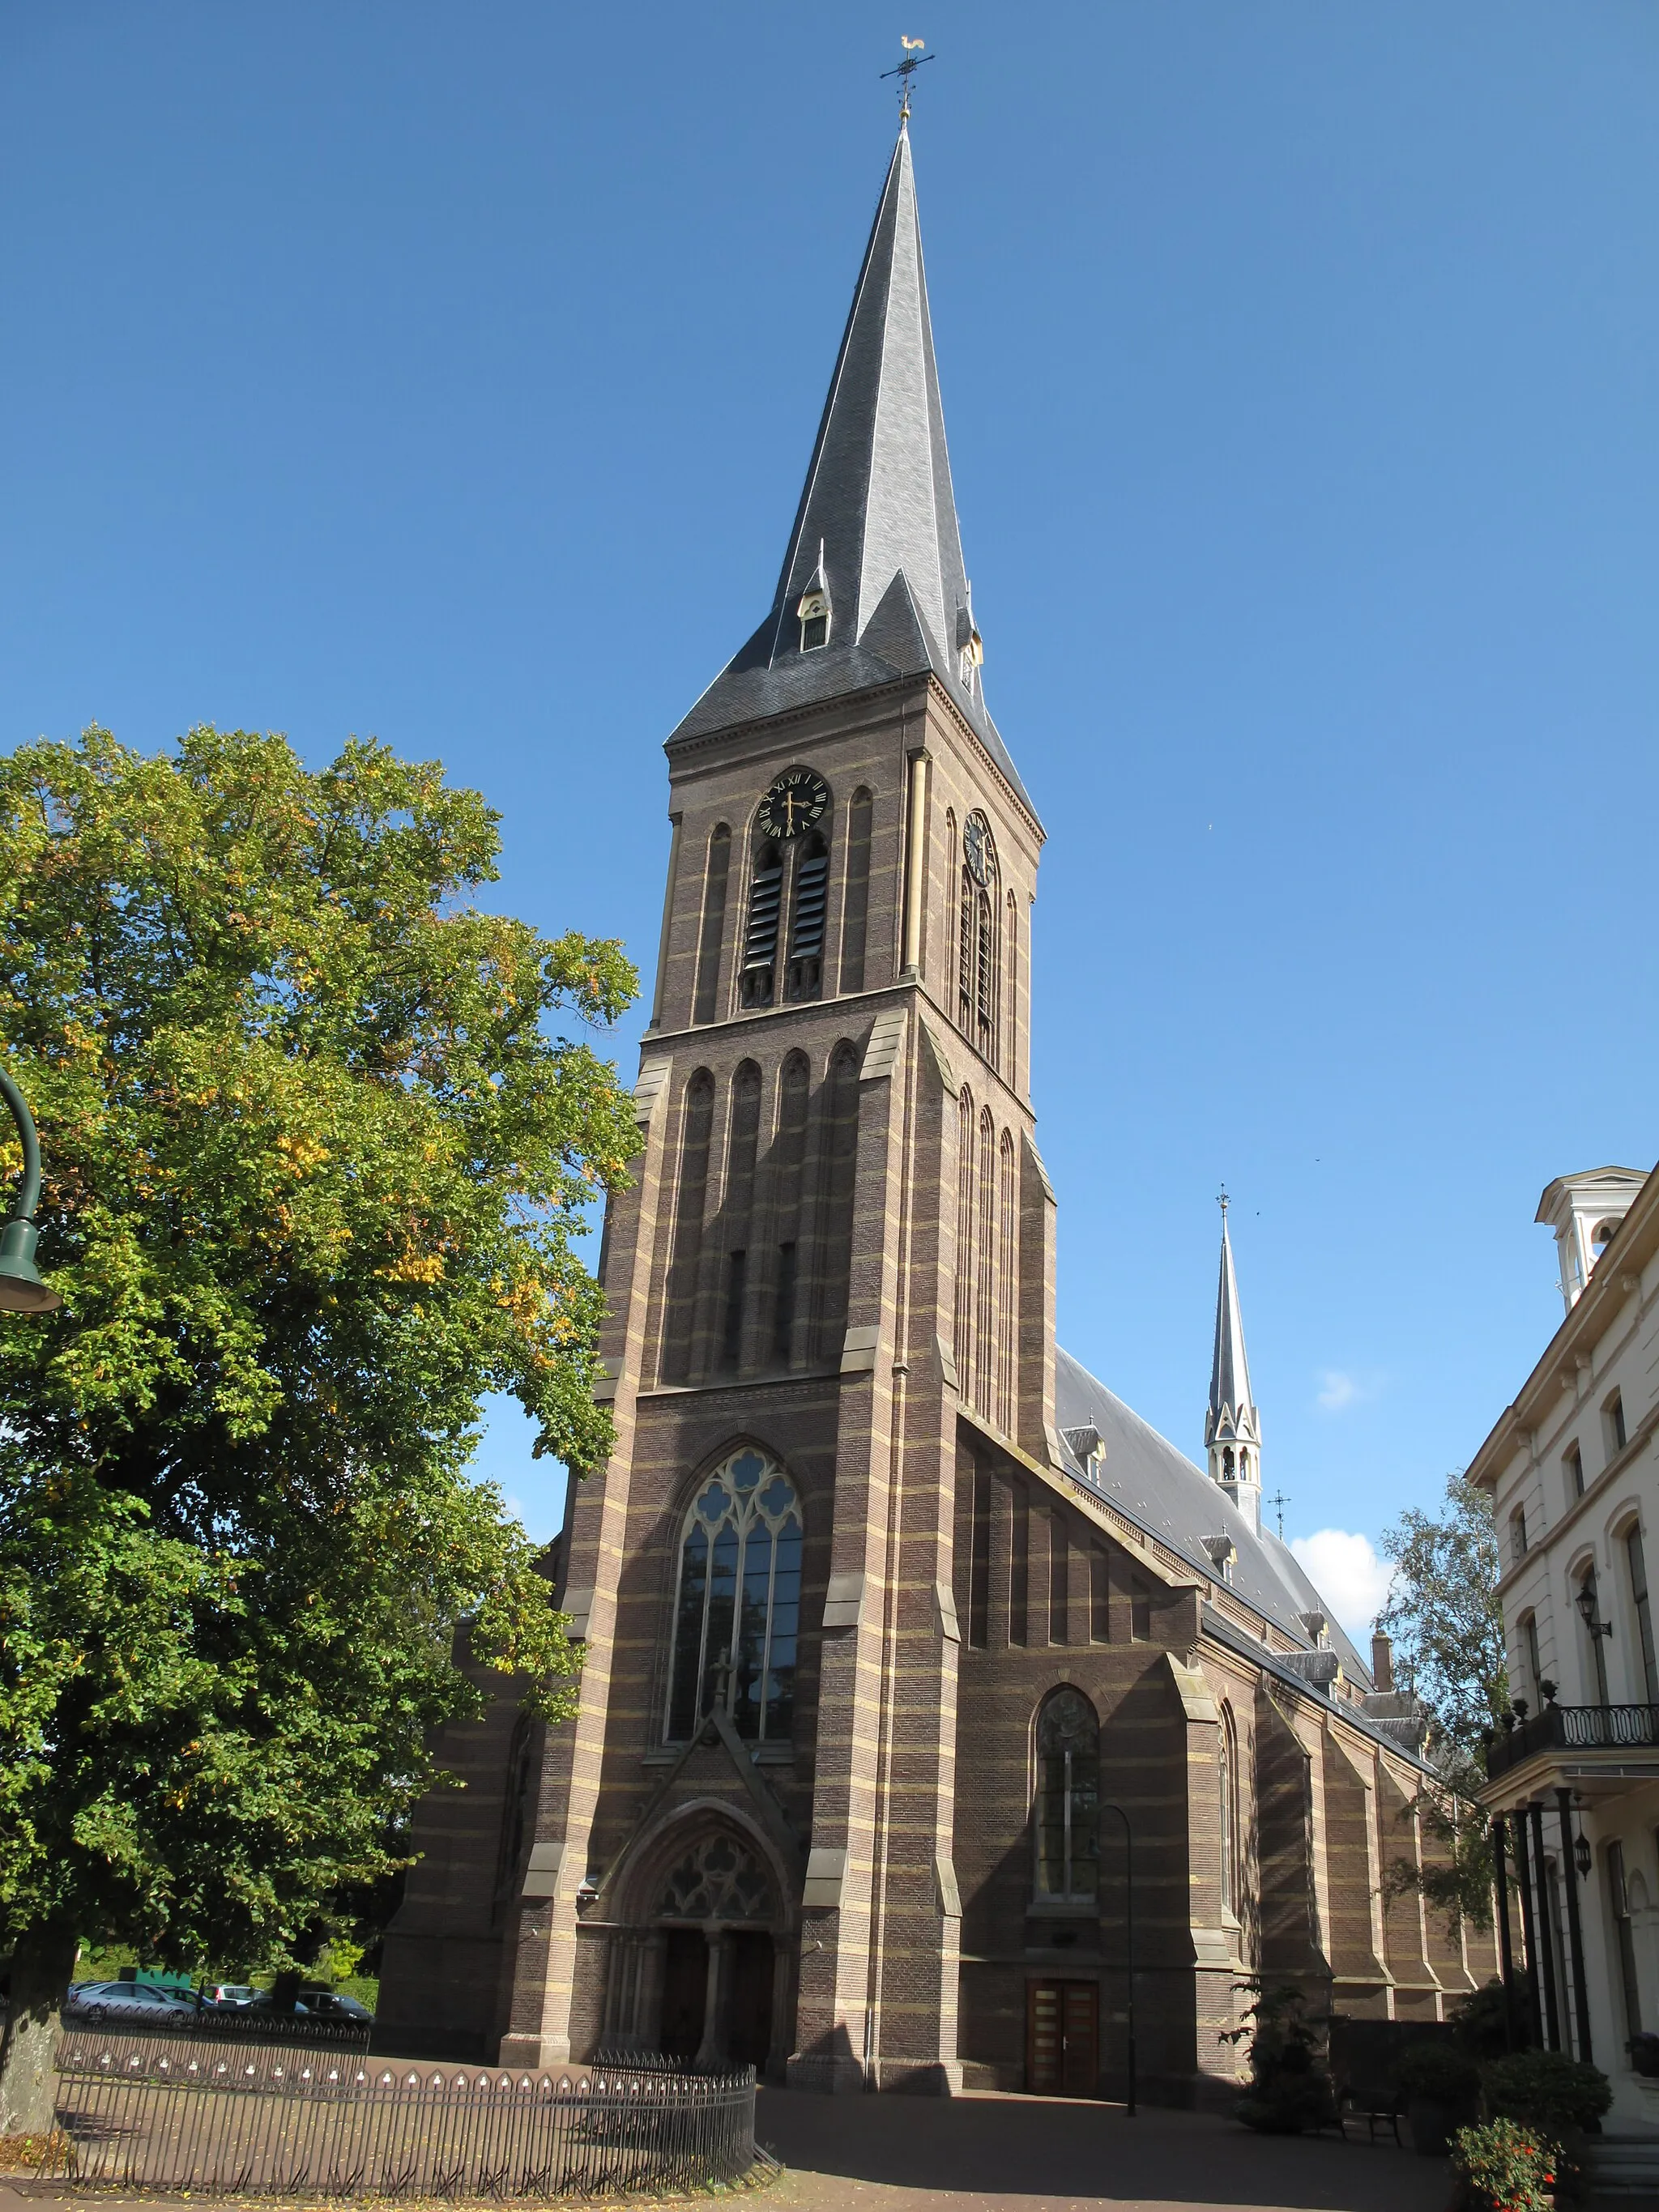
{"x":1595,"y":1750}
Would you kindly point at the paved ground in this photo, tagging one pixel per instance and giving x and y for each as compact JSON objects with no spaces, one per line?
{"x":984,"y":2154}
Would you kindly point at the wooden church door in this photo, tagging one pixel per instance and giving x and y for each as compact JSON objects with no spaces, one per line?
{"x":1062,"y":2038}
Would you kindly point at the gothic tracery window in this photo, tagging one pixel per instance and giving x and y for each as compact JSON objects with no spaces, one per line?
{"x":736,"y":1608}
{"x":719,"y":1879}
{"x":1068,"y":1797}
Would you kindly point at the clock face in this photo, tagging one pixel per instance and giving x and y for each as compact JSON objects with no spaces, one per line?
{"x":794,"y":803}
{"x":976,"y":846}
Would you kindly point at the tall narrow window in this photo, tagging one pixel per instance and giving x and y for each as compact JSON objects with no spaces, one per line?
{"x":1068,"y":1798}
{"x":1535,"y":1664}
{"x":855,"y":903}
{"x":737,"y":1610}
{"x":840,"y":1153}
{"x":805,"y":977}
{"x":1643,"y":1611}
{"x":964,"y":1313}
{"x":691,"y":1201}
{"x":985,"y":1302}
{"x":1619,"y":1898}
{"x":1573,"y":1461}
{"x":760,"y":941}
{"x":1518,"y":1535}
{"x":706,"y":1006}
{"x":1597,"y":1641}
{"x":1613,"y":1415}
{"x":788,"y":1163}
{"x":737,"y":1212}
{"x":1007,"y":1285}
{"x":985,"y":979}
{"x":967,"y":939}
{"x":1227,"y":1786}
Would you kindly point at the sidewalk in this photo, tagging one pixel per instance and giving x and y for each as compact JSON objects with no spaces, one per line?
{"x":997,"y":2153}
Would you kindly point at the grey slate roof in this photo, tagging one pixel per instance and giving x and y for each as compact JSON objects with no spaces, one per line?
{"x":1161,"y":1492}
{"x":876,"y":515}
{"x":1230,"y":1370}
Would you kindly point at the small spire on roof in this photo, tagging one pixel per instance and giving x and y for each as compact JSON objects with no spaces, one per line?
{"x":1232,"y":1427}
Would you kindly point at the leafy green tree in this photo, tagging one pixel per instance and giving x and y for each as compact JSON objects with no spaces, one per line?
{"x":316,"y":1149}
{"x":1448,"y":1626}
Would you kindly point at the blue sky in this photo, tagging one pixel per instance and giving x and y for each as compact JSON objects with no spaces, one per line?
{"x":450,"y":374}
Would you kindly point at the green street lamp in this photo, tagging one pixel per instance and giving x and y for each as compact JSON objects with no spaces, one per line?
{"x":21,"y":1290}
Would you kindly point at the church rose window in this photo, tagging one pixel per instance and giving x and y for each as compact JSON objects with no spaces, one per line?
{"x":1068,"y":1798}
{"x":737,"y":1610}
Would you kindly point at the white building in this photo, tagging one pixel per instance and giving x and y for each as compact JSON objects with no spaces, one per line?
{"x":1574,"y":1474}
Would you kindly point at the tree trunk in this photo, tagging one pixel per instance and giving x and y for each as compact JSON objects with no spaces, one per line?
{"x":284,"y":1994}
{"x":40,"y":1969}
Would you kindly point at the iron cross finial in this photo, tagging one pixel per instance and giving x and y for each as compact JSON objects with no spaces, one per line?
{"x":1224,"y":1202}
{"x":914,"y":58}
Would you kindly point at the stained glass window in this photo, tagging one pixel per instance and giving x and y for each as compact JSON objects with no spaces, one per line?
{"x":1068,"y":1797}
{"x":737,"y":1612}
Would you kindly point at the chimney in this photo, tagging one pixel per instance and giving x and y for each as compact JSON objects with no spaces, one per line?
{"x":1382,"y":1660}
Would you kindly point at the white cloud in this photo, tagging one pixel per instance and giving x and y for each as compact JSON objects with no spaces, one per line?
{"x":1345,"y":1569}
{"x":1338,"y":1389}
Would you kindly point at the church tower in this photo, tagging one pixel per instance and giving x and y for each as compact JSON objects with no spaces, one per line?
{"x":1232,"y":1427}
{"x":837,"y":1249}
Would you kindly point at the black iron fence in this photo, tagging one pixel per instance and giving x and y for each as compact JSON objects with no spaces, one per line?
{"x":1574,"y":1728}
{"x":156,"y":2113}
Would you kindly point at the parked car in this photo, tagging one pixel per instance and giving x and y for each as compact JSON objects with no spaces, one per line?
{"x":334,"y":2004}
{"x":134,"y":2000}
{"x":227,"y":1996}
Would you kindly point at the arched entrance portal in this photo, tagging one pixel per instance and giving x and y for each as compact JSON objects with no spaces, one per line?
{"x":706,"y":1979}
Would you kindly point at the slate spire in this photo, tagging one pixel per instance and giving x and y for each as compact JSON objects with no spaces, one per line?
{"x":876,"y":530}
{"x":877,"y":495}
{"x":1232,"y":1427}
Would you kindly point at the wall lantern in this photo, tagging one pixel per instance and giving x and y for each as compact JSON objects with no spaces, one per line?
{"x":1585,"y":1603}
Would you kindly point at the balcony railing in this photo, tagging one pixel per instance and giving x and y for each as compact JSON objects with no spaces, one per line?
{"x":1574,"y":1728}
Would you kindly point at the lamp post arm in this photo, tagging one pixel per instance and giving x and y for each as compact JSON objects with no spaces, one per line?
{"x":27,"y":1201}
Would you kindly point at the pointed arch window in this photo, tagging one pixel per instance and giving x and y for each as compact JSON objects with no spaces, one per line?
{"x":979,"y":940}
{"x":737,"y":1607}
{"x":1227,"y":1785}
{"x":807,"y":920}
{"x":707,"y":1000}
{"x":813,"y":611}
{"x":1068,"y":1798}
{"x":760,"y":941}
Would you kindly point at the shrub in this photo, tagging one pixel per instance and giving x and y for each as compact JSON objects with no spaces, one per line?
{"x":1503,"y":2167}
{"x":1478,"y":2023}
{"x":1546,"y":2091}
{"x":1289,"y":2088}
{"x":1438,"y":2073}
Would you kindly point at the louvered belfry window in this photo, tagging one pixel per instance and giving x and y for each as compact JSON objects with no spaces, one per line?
{"x":805,"y":979}
{"x":760,"y":941}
